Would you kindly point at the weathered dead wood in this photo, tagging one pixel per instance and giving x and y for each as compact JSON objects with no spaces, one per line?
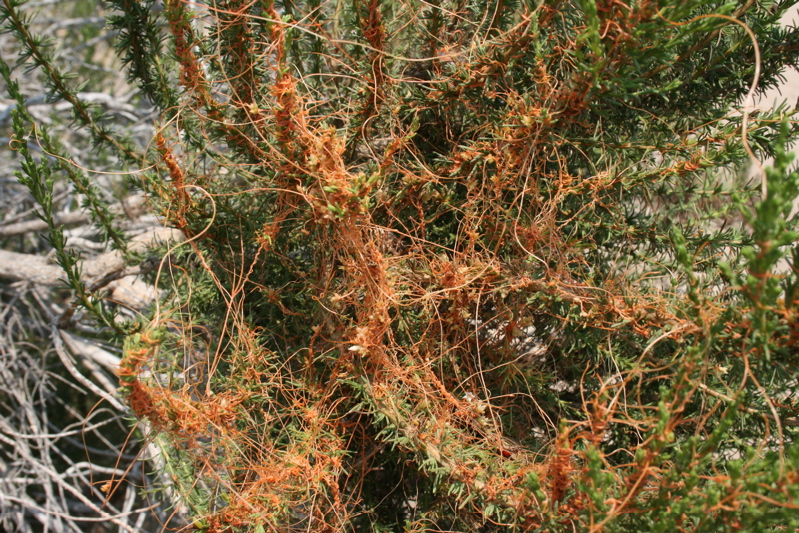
{"x":131,"y":208}
{"x":124,"y":288}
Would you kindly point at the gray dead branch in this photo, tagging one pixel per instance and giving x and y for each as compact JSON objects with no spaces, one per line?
{"x":124,"y":287}
{"x":40,"y":486}
{"x":132,"y":208}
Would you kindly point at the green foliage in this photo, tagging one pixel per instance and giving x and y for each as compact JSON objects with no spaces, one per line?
{"x":38,"y":178}
{"x":462,"y":265}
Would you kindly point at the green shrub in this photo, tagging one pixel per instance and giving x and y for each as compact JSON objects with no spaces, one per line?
{"x":461,"y":265}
